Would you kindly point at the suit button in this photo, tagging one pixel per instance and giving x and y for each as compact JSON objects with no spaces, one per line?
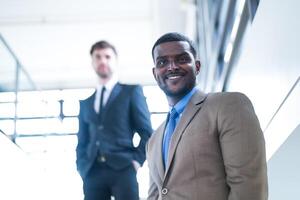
{"x":97,"y":143}
{"x":101,"y":127}
{"x":164,"y":191}
{"x":101,"y":159}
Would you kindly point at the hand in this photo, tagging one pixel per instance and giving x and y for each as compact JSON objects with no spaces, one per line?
{"x":136,"y":165}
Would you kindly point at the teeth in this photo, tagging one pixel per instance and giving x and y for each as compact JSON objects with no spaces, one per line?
{"x":173,"y":77}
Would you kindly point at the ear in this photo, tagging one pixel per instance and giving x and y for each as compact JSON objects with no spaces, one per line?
{"x":154,"y":73}
{"x":198,"y":66}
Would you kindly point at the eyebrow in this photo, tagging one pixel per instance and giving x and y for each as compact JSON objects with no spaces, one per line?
{"x":176,"y":55}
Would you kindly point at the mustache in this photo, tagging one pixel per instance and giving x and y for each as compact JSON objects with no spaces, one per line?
{"x":174,"y":73}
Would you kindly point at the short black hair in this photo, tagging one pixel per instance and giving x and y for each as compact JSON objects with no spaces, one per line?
{"x":103,"y":45}
{"x":174,"y":36}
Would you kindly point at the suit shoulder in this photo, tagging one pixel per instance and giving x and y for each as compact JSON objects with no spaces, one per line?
{"x":88,"y":99}
{"x":130,"y":86}
{"x":228,"y":96}
{"x":134,"y":89}
{"x":228,"y":100}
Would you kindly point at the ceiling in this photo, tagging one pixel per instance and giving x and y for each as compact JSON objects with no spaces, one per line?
{"x":52,"y":39}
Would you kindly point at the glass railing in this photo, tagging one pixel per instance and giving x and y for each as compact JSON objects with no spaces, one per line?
{"x":13,"y":78}
{"x":7,"y":68}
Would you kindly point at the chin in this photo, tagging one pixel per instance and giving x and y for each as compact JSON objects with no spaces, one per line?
{"x":103,"y":75}
{"x":175,"y":93}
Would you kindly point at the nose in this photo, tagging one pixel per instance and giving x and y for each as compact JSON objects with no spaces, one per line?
{"x":102,"y":61}
{"x":172,"y":65}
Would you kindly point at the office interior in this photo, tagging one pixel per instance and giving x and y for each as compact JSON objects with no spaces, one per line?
{"x":248,"y":46}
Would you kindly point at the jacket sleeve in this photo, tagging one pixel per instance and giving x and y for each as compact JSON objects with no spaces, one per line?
{"x":140,"y":119}
{"x":83,"y":139}
{"x":153,"y":190}
{"x":243,"y":148}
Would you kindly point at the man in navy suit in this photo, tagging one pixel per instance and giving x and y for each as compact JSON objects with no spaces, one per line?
{"x":107,"y":161}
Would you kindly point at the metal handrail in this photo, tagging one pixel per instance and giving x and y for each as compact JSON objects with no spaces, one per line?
{"x":18,"y":63}
{"x":282,"y":103}
{"x":19,"y":67}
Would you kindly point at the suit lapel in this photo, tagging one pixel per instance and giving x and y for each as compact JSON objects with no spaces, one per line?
{"x":158,"y":150}
{"x":91,"y":113}
{"x":113,"y":95}
{"x":188,"y":114}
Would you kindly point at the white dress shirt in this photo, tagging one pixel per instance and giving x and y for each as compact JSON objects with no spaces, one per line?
{"x":108,"y":89}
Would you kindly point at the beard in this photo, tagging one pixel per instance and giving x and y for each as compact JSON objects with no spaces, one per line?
{"x":179,"y":92}
{"x":104,"y":75}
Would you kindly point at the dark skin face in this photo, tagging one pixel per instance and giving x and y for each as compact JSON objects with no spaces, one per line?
{"x":175,"y":69}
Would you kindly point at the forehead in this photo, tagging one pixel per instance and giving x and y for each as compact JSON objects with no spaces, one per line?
{"x":105,"y":51}
{"x":171,"y":49}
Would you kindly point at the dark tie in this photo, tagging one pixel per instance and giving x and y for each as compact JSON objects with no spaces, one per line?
{"x":101,"y":100}
{"x":168,"y":134}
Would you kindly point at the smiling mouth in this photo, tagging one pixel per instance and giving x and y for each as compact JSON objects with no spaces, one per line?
{"x":173,"y":76}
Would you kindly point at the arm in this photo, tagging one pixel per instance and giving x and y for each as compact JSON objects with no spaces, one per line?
{"x":153,"y":190}
{"x":140,"y":120}
{"x":243,"y":148}
{"x":83,"y":140}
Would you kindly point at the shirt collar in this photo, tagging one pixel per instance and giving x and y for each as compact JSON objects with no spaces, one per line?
{"x":179,"y":106}
{"x":109,"y":85}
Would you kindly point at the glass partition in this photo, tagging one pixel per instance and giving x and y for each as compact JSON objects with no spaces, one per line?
{"x":13,"y":78}
{"x":7,"y":69}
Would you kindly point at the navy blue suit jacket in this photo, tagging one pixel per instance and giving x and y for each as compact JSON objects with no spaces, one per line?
{"x":125,"y":113}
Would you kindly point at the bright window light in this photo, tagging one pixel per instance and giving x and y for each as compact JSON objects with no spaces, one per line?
{"x":38,"y":126}
{"x":71,"y":107}
{"x":237,"y":20}
{"x":7,"y":110}
{"x":229,"y":48}
{"x":157,"y":119}
{"x":7,"y":126}
{"x":78,"y":94}
{"x":136,"y":140}
{"x":56,"y":157}
{"x":156,"y":99}
{"x":38,"y":109}
{"x":47,"y":95}
{"x":228,"y":53}
{"x":69,"y":125}
{"x":56,"y":153}
{"x":7,"y":97}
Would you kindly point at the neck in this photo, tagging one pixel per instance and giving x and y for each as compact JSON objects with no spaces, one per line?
{"x":104,"y":80}
{"x":173,"y":100}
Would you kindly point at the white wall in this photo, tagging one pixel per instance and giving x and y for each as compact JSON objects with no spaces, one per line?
{"x":283,"y":170}
{"x":268,"y":67}
{"x":269,"y":63}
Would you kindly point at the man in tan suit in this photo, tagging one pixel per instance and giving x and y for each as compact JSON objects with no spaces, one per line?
{"x":212,"y":148}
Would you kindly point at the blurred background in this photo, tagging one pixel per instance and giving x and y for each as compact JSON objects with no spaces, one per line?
{"x":249,"y":46}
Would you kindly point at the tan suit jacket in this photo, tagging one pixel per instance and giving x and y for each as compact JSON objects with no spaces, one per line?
{"x":217,"y":152}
